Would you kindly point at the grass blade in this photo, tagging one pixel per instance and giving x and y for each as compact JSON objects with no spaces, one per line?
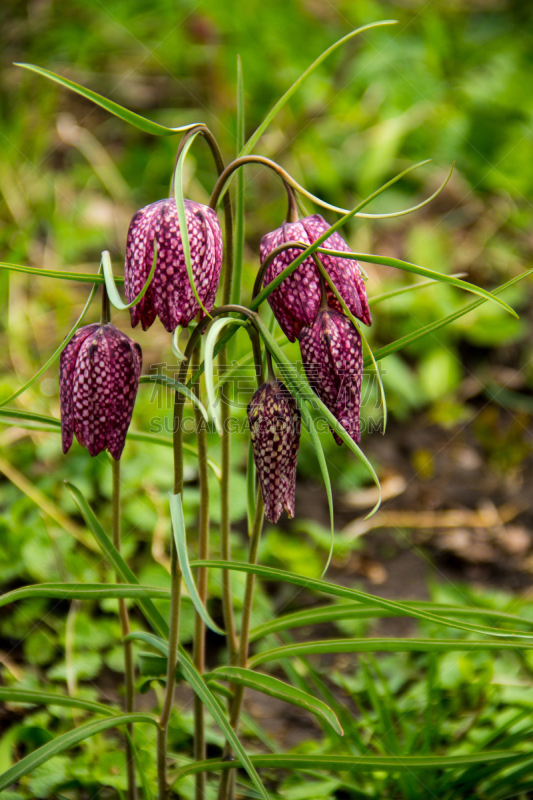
{"x":80,"y":277}
{"x":270,"y":573}
{"x":357,"y":763}
{"x":210,"y":341}
{"x":11,"y":694}
{"x":254,"y":138}
{"x":66,"y":741}
{"x":82,"y":591}
{"x":110,"y":285}
{"x":238,"y":237}
{"x":369,"y":645}
{"x":182,"y":218}
{"x":125,"y":114}
{"x":278,"y":689}
{"x":399,"y":344}
{"x":180,"y":538}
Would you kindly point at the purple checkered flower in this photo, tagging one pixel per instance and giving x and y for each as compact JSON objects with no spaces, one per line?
{"x":332,"y":355}
{"x":170,"y":296}
{"x":98,"y":378}
{"x":296,"y":301}
{"x":275,"y":431}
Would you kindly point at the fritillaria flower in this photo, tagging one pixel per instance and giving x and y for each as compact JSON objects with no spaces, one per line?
{"x":275,"y":432}
{"x":170,"y":295}
{"x":296,"y":301}
{"x":98,"y":379}
{"x":332,"y":355}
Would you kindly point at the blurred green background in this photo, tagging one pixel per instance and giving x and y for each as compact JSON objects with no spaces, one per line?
{"x":451,"y":82}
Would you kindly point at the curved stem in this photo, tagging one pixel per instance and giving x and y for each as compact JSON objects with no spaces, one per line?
{"x":292,"y":210}
{"x":129,"y":674}
{"x":105,"y":315}
{"x":240,"y":162}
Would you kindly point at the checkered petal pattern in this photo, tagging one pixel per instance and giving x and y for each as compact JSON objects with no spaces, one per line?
{"x":296,"y":301}
{"x":170,"y":296}
{"x":332,"y":356}
{"x":98,"y":377}
{"x":275,"y":431}
{"x":344,"y":272}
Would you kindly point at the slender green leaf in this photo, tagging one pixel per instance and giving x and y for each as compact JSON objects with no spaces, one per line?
{"x":110,"y":284}
{"x":330,"y":613}
{"x":157,"y":642}
{"x":11,"y":694}
{"x":412,"y":287}
{"x":161,"y":627}
{"x":174,"y":345}
{"x":131,"y":117}
{"x":55,"y":355}
{"x":254,"y":138}
{"x":238,"y":236}
{"x":115,"y":559}
{"x":82,"y":591}
{"x":272,"y":574}
{"x":356,"y":763}
{"x":80,"y":277}
{"x":135,"y":436}
{"x":180,"y":539}
{"x":182,"y":218}
{"x":66,"y":741}
{"x":250,"y":487}
{"x":399,"y":344}
{"x":210,"y":340}
{"x":384,"y":646}
{"x":406,"y":266}
{"x":164,"y":380}
{"x":276,"y":688}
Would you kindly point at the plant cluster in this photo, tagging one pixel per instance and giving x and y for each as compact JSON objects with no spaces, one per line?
{"x":176,"y":254}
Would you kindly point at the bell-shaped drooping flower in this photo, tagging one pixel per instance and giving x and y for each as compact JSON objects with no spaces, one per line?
{"x":98,"y":379}
{"x":296,"y":301}
{"x":332,"y":356}
{"x":275,"y":424}
{"x":170,"y":295}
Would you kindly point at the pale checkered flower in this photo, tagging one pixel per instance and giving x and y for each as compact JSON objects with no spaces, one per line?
{"x":98,"y":379}
{"x":275,"y":431}
{"x":170,"y":295}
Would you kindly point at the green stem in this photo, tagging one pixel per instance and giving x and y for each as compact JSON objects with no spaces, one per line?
{"x":175,"y":601}
{"x":129,"y":673}
{"x":225,"y":789}
{"x":201,"y":582}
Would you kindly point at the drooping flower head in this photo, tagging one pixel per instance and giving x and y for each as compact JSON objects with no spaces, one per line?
{"x":332,"y":356}
{"x":296,"y":301}
{"x":98,"y":379}
{"x":275,"y":432}
{"x":170,"y":295}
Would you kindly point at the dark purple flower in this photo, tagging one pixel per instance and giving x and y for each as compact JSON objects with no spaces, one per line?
{"x":296,"y":301}
{"x":332,"y":355}
{"x":170,"y":296}
{"x":275,"y":431}
{"x":98,"y":378}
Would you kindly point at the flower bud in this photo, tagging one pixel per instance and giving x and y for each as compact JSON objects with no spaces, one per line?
{"x":170,"y":295}
{"x":98,"y":379}
{"x":332,"y":356}
{"x":275,"y":431}
{"x":296,"y":301}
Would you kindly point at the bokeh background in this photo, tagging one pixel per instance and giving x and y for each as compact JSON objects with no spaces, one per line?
{"x":451,"y":82}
